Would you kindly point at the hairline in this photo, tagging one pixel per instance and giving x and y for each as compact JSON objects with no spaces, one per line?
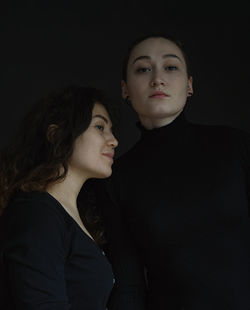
{"x":136,"y":42}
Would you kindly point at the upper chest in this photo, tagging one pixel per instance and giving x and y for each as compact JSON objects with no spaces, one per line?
{"x":183,"y":184}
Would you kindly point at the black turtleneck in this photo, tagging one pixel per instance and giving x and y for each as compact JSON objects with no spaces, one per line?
{"x":181,"y":196}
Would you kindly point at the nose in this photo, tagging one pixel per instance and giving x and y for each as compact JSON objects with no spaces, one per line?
{"x":112,"y":141}
{"x":157,"y":80}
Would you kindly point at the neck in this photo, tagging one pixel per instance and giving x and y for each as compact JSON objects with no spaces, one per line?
{"x":151,"y":123}
{"x":67,"y":190}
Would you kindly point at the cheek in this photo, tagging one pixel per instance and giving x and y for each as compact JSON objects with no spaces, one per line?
{"x":84,"y":150}
{"x":180,"y":85}
{"x":136,"y":87}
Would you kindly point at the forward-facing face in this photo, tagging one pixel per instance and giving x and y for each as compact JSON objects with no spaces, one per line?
{"x":94,"y":149}
{"x":157,"y":81}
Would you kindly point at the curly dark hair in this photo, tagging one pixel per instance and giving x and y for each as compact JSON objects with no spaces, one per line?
{"x":37,"y":155}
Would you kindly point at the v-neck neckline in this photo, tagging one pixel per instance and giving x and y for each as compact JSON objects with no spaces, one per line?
{"x":74,"y":221}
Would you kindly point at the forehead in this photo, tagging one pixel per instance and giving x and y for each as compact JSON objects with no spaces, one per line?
{"x":155,"y":47}
{"x":99,"y":109}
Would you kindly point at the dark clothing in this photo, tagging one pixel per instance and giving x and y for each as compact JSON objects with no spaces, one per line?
{"x":47,"y":261}
{"x":183,"y":193}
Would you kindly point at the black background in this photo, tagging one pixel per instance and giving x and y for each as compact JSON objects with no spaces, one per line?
{"x":45,"y":45}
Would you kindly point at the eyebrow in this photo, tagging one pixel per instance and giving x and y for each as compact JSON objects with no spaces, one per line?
{"x":164,"y":56}
{"x":102,"y":117}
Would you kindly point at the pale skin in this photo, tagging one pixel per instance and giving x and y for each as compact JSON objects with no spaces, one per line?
{"x":92,"y":158}
{"x":157,"y":82}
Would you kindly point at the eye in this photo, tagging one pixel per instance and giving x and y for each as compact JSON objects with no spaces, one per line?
{"x":171,"y":68}
{"x":143,"y":69}
{"x":99,"y":127}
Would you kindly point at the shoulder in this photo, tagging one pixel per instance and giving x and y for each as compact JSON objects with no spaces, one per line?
{"x":220,"y":132}
{"x":35,"y":203}
{"x":34,"y":213}
{"x":34,"y":238}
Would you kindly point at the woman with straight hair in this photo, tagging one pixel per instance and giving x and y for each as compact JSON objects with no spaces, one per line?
{"x":180,"y":195}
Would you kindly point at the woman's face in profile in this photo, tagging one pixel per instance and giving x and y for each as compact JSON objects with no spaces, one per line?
{"x":157,"y":81}
{"x":94,"y":149}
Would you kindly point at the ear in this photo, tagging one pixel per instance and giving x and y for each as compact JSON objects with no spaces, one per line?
{"x":124,"y":89}
{"x":190,"y":90}
{"x":51,"y":132}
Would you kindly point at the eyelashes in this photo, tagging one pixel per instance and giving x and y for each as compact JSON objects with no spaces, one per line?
{"x":169,"y":68}
{"x":99,"y":127}
{"x":142,"y":70}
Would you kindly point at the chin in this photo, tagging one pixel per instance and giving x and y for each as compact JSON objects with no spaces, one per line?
{"x":159,"y":107}
{"x":164,"y":112}
{"x":104,"y":174}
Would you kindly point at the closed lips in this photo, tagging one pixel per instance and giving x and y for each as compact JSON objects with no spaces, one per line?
{"x":110,"y":155}
{"x":158,"y":93}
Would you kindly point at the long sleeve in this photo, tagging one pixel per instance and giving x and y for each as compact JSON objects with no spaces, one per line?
{"x":129,"y":291}
{"x":34,"y":257}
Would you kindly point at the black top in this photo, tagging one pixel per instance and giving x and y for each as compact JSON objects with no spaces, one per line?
{"x":182,"y":193}
{"x":47,"y":260}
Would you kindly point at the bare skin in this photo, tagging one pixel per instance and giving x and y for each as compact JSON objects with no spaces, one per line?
{"x":91,"y":158}
{"x":157,"y":82}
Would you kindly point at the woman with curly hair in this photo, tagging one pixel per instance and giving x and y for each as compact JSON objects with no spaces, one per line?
{"x":51,"y":254}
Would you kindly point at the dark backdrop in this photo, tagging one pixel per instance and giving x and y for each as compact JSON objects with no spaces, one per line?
{"x":47,"y":44}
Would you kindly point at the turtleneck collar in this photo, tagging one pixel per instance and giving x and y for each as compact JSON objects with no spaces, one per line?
{"x":178,"y":123}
